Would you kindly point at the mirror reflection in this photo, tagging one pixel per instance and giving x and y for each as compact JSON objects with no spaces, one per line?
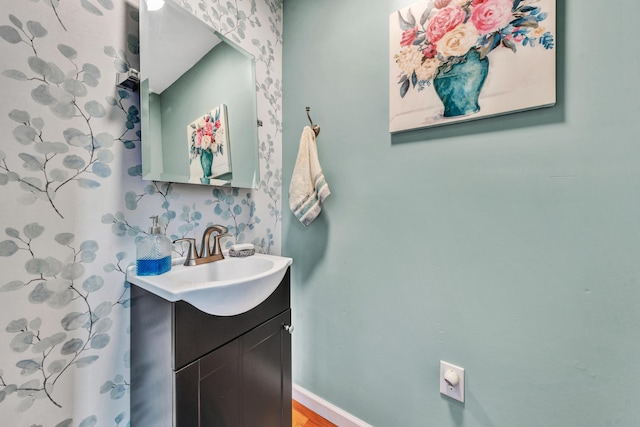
{"x":198,"y":102}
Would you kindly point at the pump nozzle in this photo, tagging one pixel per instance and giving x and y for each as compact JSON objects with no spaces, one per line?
{"x":155,"y":228}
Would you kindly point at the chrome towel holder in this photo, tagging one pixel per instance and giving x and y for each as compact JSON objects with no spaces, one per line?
{"x":314,"y":127}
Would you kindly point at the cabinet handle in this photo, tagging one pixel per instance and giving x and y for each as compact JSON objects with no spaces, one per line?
{"x":289,"y":328}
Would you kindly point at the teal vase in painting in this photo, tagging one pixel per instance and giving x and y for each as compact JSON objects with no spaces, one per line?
{"x":459,"y":88}
{"x":206,"y":161}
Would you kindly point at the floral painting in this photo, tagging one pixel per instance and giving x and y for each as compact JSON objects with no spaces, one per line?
{"x":208,"y":141}
{"x":455,"y":60}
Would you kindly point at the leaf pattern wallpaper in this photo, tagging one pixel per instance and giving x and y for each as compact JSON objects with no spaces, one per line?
{"x":74,"y":203}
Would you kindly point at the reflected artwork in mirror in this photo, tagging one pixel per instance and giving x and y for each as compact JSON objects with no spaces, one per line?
{"x":208,"y":147}
{"x":190,"y":73}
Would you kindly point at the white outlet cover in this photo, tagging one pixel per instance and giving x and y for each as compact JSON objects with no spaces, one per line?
{"x":456,"y":392}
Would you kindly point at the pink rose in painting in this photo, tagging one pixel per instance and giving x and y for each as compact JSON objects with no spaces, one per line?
{"x":217,"y":124}
{"x":199,"y":138}
{"x":491,"y":15}
{"x":446,"y":20}
{"x":430,"y":51}
{"x":408,"y":36}
{"x":208,"y":128}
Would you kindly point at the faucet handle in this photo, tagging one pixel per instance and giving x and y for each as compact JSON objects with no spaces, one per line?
{"x":205,"y":248}
{"x":192,"y":253}
{"x":217,"y":250}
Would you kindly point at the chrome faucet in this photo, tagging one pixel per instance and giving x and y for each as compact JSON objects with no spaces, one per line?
{"x":206,"y":254}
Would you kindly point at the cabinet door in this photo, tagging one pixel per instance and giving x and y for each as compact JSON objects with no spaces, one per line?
{"x":186,"y":396}
{"x":220,"y":387}
{"x":245,"y":383}
{"x":266,"y":374}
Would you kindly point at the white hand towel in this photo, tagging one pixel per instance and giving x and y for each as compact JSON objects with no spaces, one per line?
{"x":308,"y":187}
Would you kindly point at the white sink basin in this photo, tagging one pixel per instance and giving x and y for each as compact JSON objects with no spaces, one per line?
{"x":223,"y":288}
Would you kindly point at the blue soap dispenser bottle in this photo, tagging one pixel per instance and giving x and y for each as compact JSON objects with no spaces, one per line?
{"x":153,"y":252}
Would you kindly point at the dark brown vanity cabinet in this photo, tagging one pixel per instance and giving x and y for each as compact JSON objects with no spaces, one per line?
{"x":192,"y":369}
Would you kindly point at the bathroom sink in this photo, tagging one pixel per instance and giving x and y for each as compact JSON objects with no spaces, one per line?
{"x":223,"y":288}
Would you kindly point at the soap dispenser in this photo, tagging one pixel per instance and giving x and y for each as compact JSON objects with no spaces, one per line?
{"x":153,"y":252}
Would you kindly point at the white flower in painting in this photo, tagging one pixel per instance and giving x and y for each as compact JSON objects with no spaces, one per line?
{"x":206,"y":142}
{"x":409,"y":59}
{"x":441,"y":4}
{"x":428,"y":69}
{"x":458,"y":41}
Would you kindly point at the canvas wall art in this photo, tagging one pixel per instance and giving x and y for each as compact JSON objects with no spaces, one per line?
{"x":208,"y":143}
{"x":456,"y":60}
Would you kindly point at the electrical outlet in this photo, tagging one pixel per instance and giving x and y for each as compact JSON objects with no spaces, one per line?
{"x":452,"y":381}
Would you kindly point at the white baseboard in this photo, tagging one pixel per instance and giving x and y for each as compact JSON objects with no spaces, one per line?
{"x":326,"y":409}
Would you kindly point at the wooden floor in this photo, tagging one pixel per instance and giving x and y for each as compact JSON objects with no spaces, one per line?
{"x":305,"y":417}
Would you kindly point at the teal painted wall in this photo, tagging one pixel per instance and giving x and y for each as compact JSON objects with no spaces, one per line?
{"x":509,"y":246}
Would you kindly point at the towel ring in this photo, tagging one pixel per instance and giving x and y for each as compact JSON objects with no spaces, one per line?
{"x":315,"y":128}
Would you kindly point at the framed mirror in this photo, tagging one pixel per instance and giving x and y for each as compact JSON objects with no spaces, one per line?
{"x":198,"y":102}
